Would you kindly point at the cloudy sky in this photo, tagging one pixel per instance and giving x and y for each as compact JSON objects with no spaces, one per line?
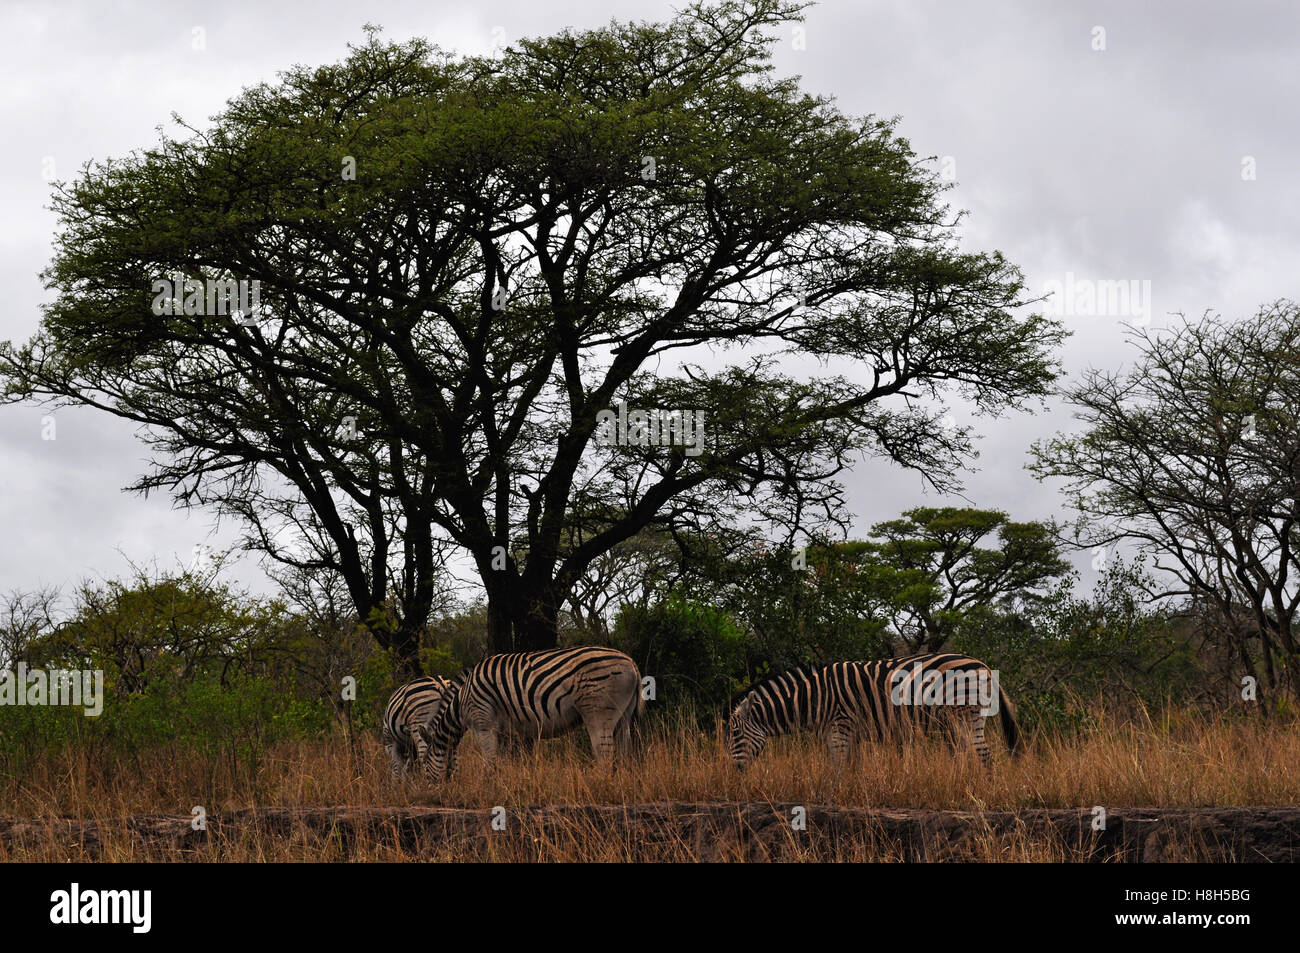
{"x":1152,"y":143}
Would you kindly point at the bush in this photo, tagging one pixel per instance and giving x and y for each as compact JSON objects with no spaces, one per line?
{"x":695,"y":653}
{"x":235,"y":721}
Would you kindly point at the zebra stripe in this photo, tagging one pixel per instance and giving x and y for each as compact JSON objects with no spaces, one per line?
{"x":537,"y":695}
{"x":414,"y":704}
{"x":889,"y":700}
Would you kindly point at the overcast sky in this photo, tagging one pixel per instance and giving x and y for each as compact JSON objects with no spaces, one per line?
{"x":1152,"y":142}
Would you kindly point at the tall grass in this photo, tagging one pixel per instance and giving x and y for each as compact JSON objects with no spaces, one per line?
{"x":1176,"y":759}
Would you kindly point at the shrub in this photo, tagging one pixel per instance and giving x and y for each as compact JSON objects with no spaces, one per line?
{"x":695,"y":653}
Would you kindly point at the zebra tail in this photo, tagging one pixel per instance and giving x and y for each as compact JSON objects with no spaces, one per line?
{"x":1010,"y":729}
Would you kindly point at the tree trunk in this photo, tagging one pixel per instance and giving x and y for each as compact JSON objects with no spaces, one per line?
{"x":405,"y":645}
{"x":501,"y":636}
{"x":536,"y":629}
{"x":520,"y":620}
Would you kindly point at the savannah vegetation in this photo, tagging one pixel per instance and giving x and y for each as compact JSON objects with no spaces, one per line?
{"x":463,"y":261}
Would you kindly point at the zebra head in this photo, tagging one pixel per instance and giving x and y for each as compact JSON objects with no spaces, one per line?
{"x":442,"y":733}
{"x":745,"y":734}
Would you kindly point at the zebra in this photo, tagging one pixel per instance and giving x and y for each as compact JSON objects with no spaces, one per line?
{"x":537,"y":695}
{"x":414,"y":704}
{"x":888,"y":699}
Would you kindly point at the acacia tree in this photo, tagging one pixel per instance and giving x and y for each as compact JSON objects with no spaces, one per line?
{"x":463,"y":261}
{"x":1194,"y":455}
{"x":934,"y":566}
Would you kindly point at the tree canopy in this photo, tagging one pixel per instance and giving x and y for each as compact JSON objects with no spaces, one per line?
{"x":935,"y":565}
{"x":1193,"y":455}
{"x":462,"y":261}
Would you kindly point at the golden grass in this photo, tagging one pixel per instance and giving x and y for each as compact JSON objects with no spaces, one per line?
{"x":1178,"y":760}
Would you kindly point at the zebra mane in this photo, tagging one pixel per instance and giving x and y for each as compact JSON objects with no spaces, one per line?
{"x":795,"y":670}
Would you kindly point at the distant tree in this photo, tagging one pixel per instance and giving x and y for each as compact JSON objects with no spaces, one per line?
{"x":464,"y":261}
{"x":933,"y":567}
{"x":24,"y":618}
{"x":632,"y":573}
{"x":1194,"y":455}
{"x":161,"y":627}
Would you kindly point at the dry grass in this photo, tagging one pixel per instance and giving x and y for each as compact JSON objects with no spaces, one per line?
{"x":1181,"y":760}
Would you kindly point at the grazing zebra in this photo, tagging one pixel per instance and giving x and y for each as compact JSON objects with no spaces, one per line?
{"x":886,"y":699}
{"x":414,"y":704}
{"x":537,"y":695}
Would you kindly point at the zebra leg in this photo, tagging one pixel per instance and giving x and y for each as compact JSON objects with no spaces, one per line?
{"x":977,"y":735}
{"x":421,"y":748}
{"x":839,"y":739}
{"x":903,"y":734}
{"x":623,"y":736}
{"x":623,"y":741}
{"x":397,"y":759}
{"x":487,"y":742}
{"x":601,"y":729}
{"x":396,"y":767}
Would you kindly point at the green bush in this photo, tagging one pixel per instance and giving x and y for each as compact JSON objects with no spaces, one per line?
{"x":236,"y":720}
{"x":695,"y":653}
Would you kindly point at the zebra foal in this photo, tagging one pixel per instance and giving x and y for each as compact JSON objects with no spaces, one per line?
{"x":537,"y":695}
{"x":889,"y":700}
